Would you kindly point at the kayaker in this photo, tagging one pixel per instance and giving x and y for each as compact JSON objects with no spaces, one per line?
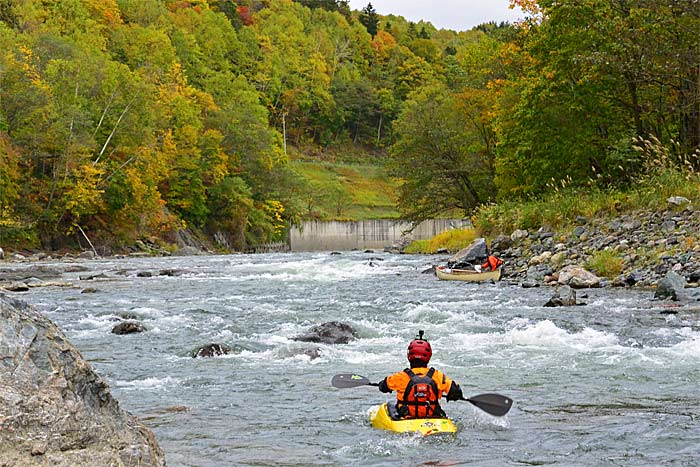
{"x":419,"y":388}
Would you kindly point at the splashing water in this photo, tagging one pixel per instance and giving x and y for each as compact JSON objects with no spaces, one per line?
{"x":610,"y":383}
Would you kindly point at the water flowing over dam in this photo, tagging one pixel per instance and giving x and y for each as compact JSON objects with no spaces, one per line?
{"x":370,"y":234}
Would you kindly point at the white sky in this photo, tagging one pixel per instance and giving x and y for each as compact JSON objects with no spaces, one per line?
{"x":459,"y":15}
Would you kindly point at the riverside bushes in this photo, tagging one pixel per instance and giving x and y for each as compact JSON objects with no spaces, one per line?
{"x":451,"y":240}
{"x":560,"y":208}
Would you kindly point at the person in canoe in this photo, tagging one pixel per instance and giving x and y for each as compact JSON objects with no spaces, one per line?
{"x":491,"y":264}
{"x":419,"y":388}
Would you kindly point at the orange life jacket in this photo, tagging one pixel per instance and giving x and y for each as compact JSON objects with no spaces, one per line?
{"x":420,"y":400}
{"x":491,"y":263}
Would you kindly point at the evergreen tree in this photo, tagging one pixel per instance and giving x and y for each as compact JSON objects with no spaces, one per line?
{"x":369,"y":19}
{"x":412,"y":34}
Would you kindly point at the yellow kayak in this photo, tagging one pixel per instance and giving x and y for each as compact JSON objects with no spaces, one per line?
{"x":379,"y":418}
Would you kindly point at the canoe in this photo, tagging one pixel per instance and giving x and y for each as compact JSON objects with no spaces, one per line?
{"x":379,"y":418}
{"x":446,"y":274}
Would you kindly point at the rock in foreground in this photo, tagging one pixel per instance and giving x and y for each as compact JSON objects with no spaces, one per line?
{"x":54,"y":409}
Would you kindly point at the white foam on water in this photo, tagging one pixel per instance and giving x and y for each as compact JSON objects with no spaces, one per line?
{"x":319,"y":268}
{"x":177,"y":321}
{"x":224,"y":298}
{"x":224,"y":334}
{"x":479,"y":419}
{"x":546,"y":335}
{"x":688,"y":350}
{"x":101,"y":321}
{"x":168,"y":323}
{"x":357,"y":357}
{"x":430,"y":312}
{"x":88,"y":333}
{"x":90,"y":326}
{"x":474,"y":341}
{"x":147,"y":312}
{"x":147,"y":384}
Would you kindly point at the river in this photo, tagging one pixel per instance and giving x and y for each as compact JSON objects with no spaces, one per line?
{"x":612,"y":383}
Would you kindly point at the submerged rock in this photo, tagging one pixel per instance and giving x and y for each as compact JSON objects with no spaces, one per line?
{"x":332,"y":332}
{"x":313,"y":353}
{"x":211,"y":350}
{"x":128,"y":327}
{"x":55,"y":409}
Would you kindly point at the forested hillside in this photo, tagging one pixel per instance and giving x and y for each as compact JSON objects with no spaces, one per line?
{"x":123,"y":119}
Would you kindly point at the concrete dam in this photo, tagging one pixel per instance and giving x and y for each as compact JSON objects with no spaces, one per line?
{"x":361,"y":235}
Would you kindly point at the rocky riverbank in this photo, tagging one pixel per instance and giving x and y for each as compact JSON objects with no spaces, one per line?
{"x":639,"y":249}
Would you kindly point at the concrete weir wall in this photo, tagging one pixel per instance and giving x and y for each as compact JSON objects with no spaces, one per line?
{"x":375,"y":234}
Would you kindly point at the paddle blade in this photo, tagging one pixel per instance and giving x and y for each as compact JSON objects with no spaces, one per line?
{"x":349,"y":380}
{"x":494,"y":404}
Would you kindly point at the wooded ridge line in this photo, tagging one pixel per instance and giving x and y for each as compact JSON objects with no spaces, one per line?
{"x":142,"y":119}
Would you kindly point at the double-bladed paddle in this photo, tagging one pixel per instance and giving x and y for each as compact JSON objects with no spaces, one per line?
{"x":348,"y":380}
{"x":493,"y":404}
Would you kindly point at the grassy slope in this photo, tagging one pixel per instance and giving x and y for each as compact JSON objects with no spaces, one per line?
{"x":358,"y":191}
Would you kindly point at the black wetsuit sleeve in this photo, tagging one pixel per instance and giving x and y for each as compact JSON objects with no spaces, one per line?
{"x":383,"y":386}
{"x":455,"y":392}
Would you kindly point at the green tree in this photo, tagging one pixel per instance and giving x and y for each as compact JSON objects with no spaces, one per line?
{"x":10,"y":182}
{"x":599,"y":73}
{"x":230,"y":202}
{"x":370,"y":19}
{"x":442,"y":167}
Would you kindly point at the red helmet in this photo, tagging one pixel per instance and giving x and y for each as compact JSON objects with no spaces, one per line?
{"x":419,"y":349}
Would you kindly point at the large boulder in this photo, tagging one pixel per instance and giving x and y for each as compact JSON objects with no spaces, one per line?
{"x":563,"y":296}
{"x":578,"y":278}
{"x":476,"y":252}
{"x":54,"y":409}
{"x":671,"y":287}
{"x":332,"y":332}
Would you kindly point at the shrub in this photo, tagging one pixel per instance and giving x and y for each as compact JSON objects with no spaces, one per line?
{"x":450,"y":240}
{"x":560,"y":208}
{"x":605,"y":263}
{"x":418,"y":246}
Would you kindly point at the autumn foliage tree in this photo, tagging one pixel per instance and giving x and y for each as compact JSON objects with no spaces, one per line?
{"x":122,"y":119}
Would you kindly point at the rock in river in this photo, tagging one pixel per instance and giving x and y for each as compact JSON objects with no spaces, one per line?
{"x":211,"y":350}
{"x":54,"y":409}
{"x":128,"y":327}
{"x":671,"y":287}
{"x":332,"y":332}
{"x":563,"y":296}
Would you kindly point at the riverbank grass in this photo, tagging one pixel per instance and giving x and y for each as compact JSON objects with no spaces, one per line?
{"x":605,"y":263}
{"x":450,"y":240}
{"x":560,"y":208}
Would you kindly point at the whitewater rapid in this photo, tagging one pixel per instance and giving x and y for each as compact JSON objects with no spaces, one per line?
{"x":613,"y":382}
